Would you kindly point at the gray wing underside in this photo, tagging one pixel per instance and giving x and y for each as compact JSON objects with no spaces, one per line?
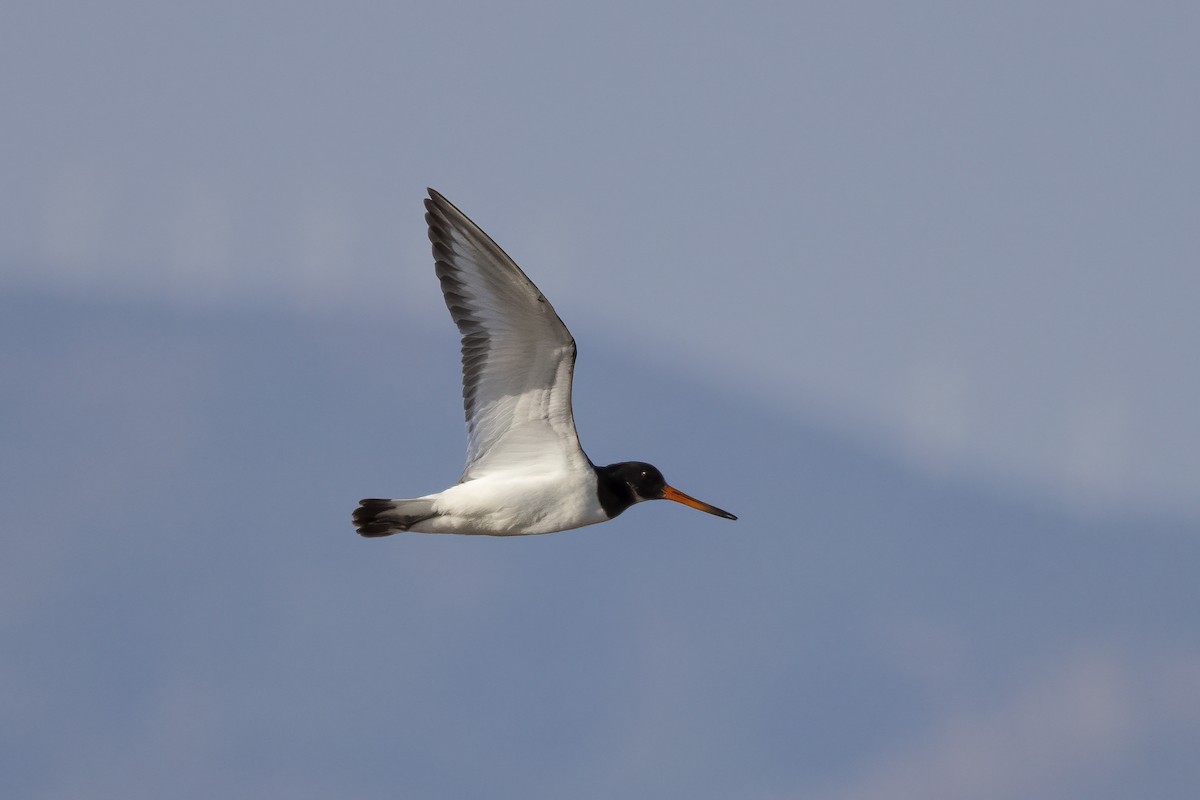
{"x":517,"y":356}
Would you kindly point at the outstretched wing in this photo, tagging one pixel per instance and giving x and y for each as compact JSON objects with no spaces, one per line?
{"x":517,"y":356}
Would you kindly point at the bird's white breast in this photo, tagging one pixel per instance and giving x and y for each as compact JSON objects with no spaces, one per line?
{"x":514,"y":504}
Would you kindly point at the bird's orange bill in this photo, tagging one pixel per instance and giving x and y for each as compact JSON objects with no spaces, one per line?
{"x":671,"y":493}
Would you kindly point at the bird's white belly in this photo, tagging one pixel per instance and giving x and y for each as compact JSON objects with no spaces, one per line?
{"x":506,"y":505}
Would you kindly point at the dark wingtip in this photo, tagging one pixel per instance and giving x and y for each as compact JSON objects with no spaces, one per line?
{"x":436,"y":198}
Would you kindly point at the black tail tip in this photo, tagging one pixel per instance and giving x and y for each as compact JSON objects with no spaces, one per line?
{"x":366,"y":518}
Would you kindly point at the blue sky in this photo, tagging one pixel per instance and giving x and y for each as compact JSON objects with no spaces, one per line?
{"x":910,"y":289}
{"x":964,"y":234}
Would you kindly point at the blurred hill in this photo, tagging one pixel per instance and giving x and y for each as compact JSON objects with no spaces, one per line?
{"x":188,"y":612}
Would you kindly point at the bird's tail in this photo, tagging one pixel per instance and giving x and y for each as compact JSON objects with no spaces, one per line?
{"x":375,"y":517}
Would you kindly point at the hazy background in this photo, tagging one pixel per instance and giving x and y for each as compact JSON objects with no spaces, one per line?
{"x":911,"y":288}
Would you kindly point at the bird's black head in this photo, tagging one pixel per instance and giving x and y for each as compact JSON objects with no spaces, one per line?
{"x":644,"y":480}
{"x":621,"y":485}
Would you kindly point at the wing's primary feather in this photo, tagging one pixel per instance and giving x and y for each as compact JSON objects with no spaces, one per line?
{"x":517,"y":356}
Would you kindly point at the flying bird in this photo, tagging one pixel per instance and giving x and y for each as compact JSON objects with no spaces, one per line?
{"x":525,"y":472}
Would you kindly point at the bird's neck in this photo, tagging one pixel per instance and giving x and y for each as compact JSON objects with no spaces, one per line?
{"x":616,"y":494}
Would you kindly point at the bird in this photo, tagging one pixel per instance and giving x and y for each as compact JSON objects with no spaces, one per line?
{"x":526,"y":472}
